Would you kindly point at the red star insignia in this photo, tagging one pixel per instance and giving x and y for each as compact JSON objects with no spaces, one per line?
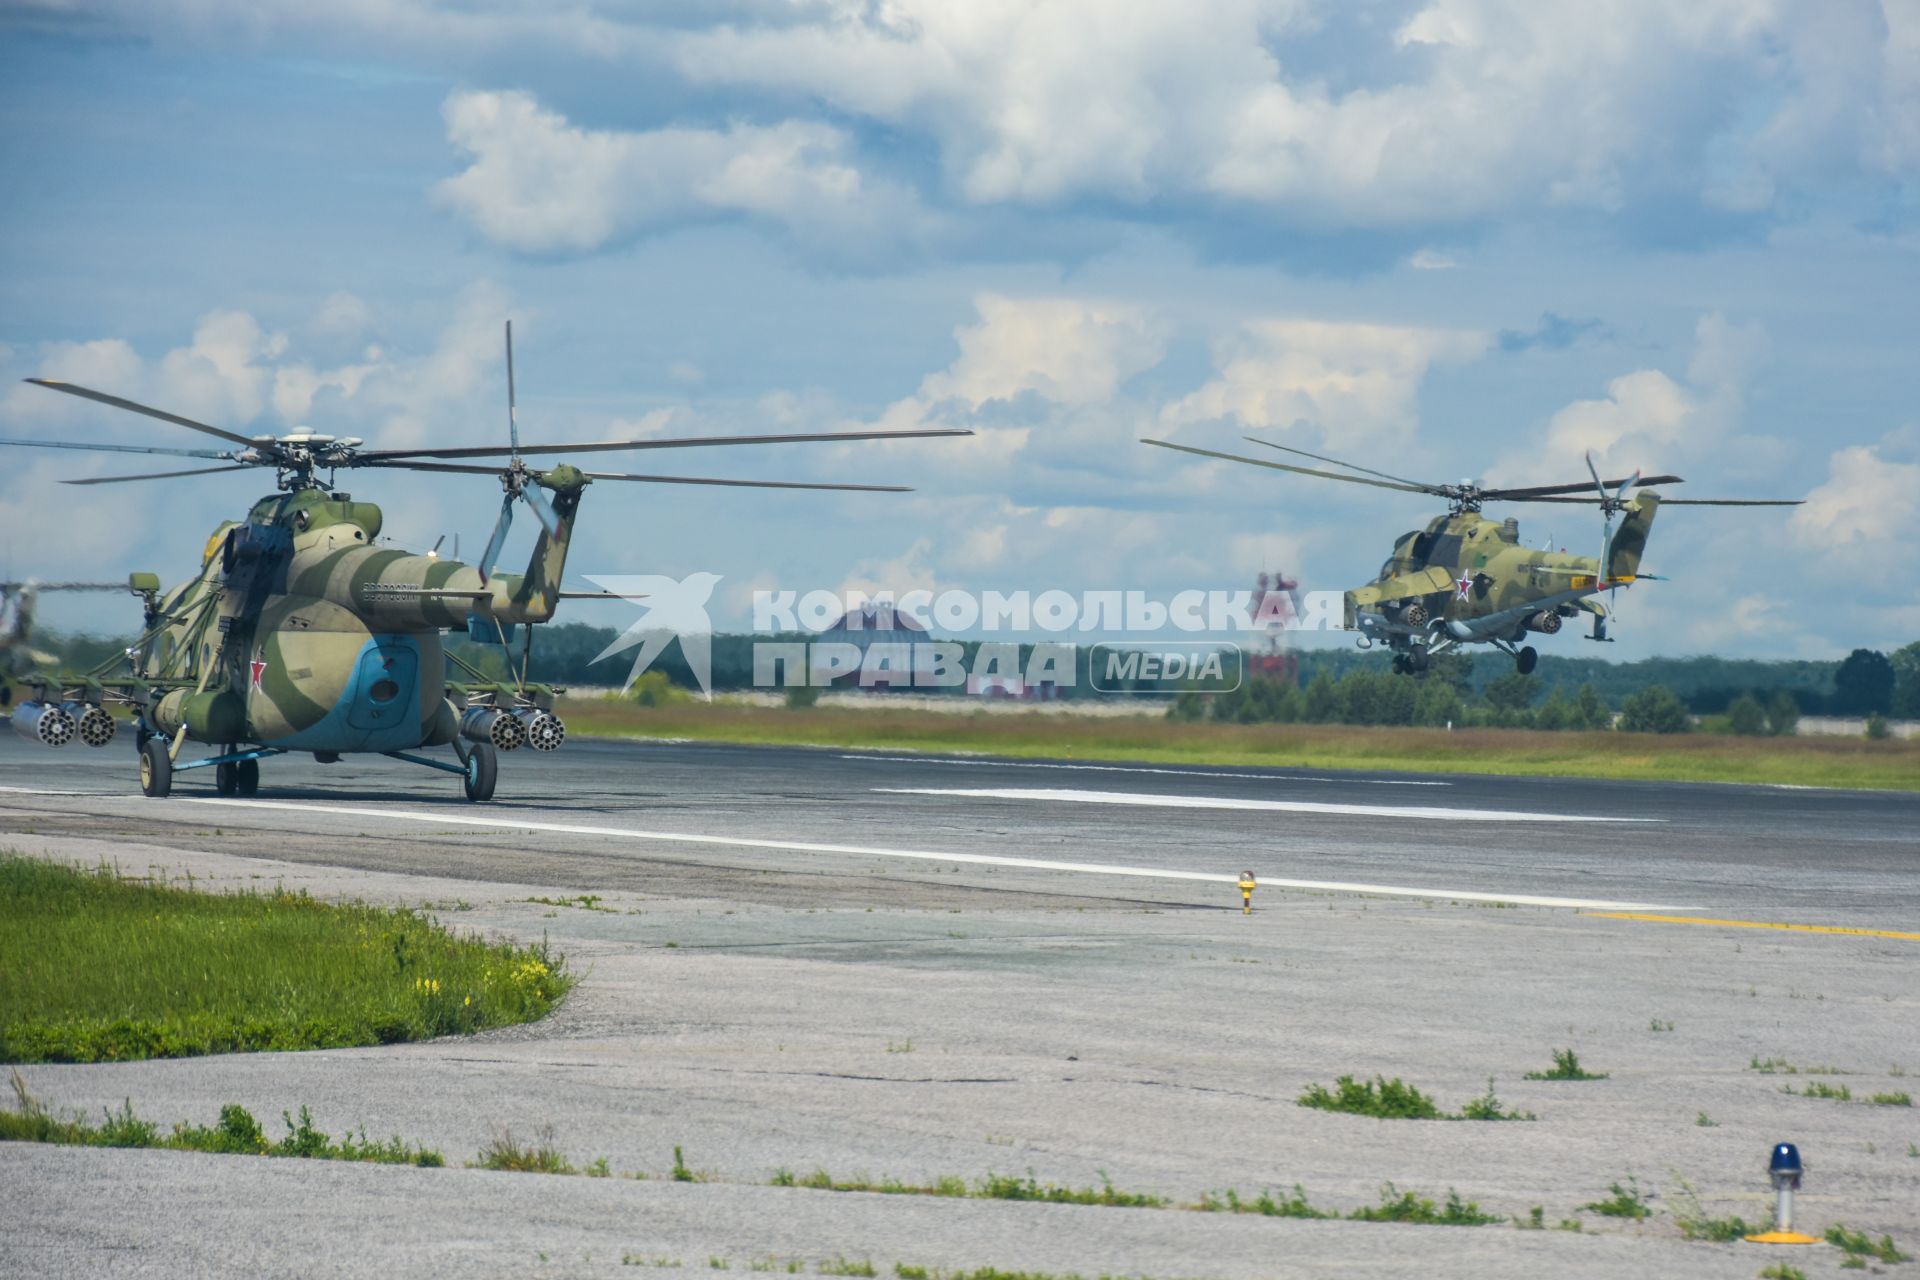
{"x":259,"y":666}
{"x":1465,"y":585}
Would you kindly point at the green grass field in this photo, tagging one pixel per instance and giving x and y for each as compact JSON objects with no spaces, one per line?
{"x":98,"y":968}
{"x":1696,"y":757}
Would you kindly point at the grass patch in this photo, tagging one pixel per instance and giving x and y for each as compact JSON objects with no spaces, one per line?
{"x":1891,"y":1099}
{"x":1379,"y":1097}
{"x":236,"y":1132}
{"x":1782,"y":1271}
{"x":1781,"y":1067}
{"x":508,"y":1155}
{"x":1404,"y":1206}
{"x":1394,"y":1099}
{"x":907,"y":1271}
{"x":680,"y":1171}
{"x":97,"y":968}
{"x":1625,"y":1202}
{"x":1858,"y":1244}
{"x":1488,"y":1107}
{"x":1566,"y":1066}
{"x":584,"y":901}
{"x":994,"y":1186}
{"x":1150,"y":737}
{"x":1716,"y":1230}
{"x":1821,"y":1089}
{"x":1293,"y":1206}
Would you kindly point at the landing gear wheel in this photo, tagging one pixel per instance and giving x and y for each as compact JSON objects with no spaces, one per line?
{"x":246,"y":777}
{"x":483,"y":765}
{"x":1528,"y":658}
{"x":1400,"y":664}
{"x":224,"y":780}
{"x":156,"y":768}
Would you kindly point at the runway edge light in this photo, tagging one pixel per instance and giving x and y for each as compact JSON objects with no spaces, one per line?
{"x":1785,"y":1169}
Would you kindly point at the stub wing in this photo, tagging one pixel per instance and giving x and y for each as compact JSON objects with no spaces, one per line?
{"x":1403,"y":586}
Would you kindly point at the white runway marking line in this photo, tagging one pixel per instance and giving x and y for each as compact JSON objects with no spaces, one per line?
{"x":975,"y":859}
{"x":1151,"y":801}
{"x":987,"y":763}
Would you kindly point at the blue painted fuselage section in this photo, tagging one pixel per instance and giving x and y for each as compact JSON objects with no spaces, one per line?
{"x":378,"y":709}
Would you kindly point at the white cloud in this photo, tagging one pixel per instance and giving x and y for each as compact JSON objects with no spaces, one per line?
{"x":1350,"y":383}
{"x":1648,"y":420}
{"x":1465,"y":109}
{"x":1476,"y":106}
{"x":539,"y":184}
{"x":1067,"y":350}
{"x":1870,"y":501}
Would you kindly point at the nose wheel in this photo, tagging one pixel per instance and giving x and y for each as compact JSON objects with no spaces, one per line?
{"x":156,"y":767}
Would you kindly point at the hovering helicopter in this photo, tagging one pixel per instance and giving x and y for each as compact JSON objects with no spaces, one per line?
{"x":1465,"y":579}
{"x":298,"y":633}
{"x":18,"y":657}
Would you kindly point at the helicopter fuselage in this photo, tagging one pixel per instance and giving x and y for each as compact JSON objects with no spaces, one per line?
{"x":300,"y":633}
{"x":1467,"y":579}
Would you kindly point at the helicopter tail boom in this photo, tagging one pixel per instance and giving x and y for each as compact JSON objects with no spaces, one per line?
{"x":1630,"y":540}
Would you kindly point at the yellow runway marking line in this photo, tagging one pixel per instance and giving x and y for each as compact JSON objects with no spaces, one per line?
{"x":1755,"y":924}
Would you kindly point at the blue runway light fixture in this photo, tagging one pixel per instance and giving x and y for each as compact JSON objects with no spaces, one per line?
{"x":1785,"y":1169}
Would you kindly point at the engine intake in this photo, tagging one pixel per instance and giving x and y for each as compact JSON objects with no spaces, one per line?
{"x":46,"y":723}
{"x":491,"y":724}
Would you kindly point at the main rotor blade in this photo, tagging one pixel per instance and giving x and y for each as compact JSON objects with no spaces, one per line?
{"x":491,"y":556}
{"x":542,"y":509}
{"x":117,"y":448}
{"x":1541,"y":490}
{"x":468,"y":469}
{"x":1683,"y":502}
{"x":752,"y":484}
{"x":87,"y":393}
{"x":378,"y":457}
{"x":163,"y":475}
{"x":1281,"y":466}
{"x":1336,"y":462}
{"x":513,"y":415}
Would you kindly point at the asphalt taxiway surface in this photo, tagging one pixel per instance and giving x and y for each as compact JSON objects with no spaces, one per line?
{"x":888,"y":965}
{"x":1828,"y":856}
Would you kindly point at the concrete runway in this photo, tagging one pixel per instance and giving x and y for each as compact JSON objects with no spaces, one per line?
{"x":889,"y":965}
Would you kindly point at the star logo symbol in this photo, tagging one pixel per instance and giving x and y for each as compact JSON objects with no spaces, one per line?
{"x":1465,"y":585}
{"x":259,"y":668}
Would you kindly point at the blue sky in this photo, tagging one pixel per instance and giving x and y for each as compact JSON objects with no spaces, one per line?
{"x":1461,"y":238}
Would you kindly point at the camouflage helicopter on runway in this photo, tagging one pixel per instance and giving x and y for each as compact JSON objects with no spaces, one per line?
{"x":1465,"y":579}
{"x":298,"y":633}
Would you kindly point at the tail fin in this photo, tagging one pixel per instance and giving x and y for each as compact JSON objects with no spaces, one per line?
{"x":1623,"y":554}
{"x":534,"y":597}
